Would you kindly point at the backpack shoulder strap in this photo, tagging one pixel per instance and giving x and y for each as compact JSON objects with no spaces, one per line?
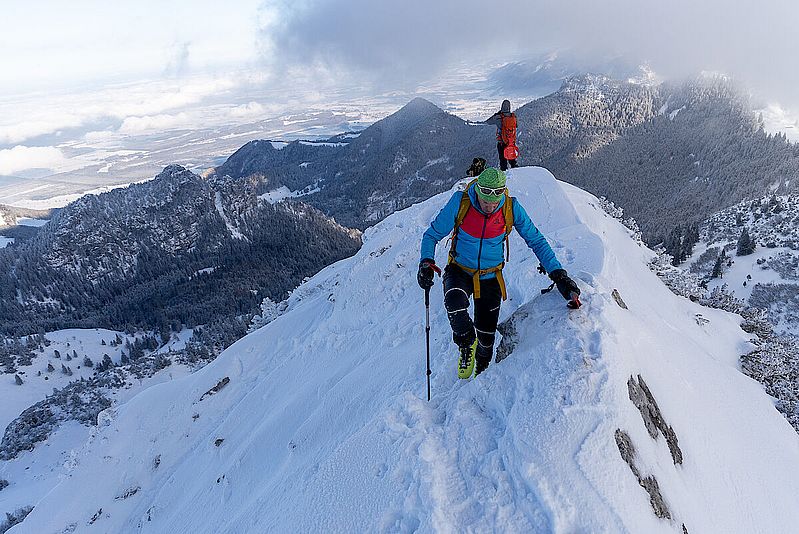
{"x":507,"y":213}
{"x":466,"y":202}
{"x":507,"y":209}
{"x":463,"y":209}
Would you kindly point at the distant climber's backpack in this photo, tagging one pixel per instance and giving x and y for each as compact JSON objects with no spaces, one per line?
{"x":507,"y":129}
{"x":478,"y":166}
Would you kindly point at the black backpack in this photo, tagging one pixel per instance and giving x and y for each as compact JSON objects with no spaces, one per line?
{"x":478,"y":166}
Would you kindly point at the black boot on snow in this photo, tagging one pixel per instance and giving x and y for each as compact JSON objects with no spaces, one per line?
{"x":480,"y":364}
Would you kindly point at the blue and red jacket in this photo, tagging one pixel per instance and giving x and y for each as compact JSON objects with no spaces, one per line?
{"x":481,"y":235}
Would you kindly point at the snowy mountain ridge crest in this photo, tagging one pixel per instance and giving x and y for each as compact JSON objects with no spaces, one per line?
{"x":315,"y":422}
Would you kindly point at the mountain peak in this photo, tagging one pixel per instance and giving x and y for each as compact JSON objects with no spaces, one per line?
{"x":403,"y":121}
{"x":418,"y":107}
{"x":174,"y":171}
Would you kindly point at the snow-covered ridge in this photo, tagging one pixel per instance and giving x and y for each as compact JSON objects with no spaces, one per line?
{"x":316,"y":422}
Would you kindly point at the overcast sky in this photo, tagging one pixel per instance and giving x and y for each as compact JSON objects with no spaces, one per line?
{"x":51,"y":42}
{"x":98,"y":63}
{"x":401,"y":42}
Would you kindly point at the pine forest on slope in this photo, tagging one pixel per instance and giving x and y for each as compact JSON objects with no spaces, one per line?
{"x":173,"y":252}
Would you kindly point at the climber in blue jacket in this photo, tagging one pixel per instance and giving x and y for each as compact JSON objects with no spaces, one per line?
{"x":480,"y":220}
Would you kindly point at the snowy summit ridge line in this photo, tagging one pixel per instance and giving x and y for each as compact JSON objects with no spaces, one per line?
{"x":316,"y":433}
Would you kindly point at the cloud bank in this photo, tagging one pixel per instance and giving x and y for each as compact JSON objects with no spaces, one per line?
{"x":21,"y":157}
{"x":406,"y":42}
{"x":26,"y":118}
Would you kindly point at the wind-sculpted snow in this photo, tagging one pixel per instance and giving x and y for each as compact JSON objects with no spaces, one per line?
{"x":322,"y":425}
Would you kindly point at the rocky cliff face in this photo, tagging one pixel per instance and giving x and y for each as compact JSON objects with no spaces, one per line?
{"x":178,"y":250}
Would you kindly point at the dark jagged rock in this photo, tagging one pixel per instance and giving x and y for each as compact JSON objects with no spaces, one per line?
{"x":217,"y":388}
{"x":96,"y":516}
{"x":617,"y":297}
{"x":652,"y":416}
{"x":649,"y":483}
{"x":509,"y":333}
{"x":130,"y":492}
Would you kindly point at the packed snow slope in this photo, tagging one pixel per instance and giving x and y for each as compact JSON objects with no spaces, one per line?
{"x":324,"y":426}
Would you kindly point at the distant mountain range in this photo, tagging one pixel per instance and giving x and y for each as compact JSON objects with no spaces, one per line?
{"x":204,"y":252}
{"x":545,"y":74}
{"x":669,"y":154}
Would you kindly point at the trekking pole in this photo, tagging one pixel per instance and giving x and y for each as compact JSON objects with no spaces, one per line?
{"x":427,"y":336}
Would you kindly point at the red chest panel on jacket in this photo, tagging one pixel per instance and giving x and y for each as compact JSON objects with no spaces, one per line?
{"x":473,"y":224}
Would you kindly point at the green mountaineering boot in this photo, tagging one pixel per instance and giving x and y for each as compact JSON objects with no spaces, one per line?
{"x":466,"y":360}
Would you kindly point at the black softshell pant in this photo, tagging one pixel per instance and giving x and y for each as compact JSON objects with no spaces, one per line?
{"x":458,"y":287}
{"x":503,"y":163}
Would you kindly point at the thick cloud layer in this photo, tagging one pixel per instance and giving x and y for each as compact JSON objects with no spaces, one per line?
{"x":396,"y":42}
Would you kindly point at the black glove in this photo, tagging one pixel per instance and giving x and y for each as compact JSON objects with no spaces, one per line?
{"x":427,"y":269}
{"x":566,"y":287}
